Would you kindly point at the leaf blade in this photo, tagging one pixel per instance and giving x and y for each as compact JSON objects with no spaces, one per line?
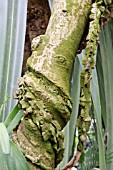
{"x":11,"y":116}
{"x":4,"y":139}
{"x":15,"y":121}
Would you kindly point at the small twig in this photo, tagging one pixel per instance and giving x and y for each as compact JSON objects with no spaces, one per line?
{"x":73,"y":161}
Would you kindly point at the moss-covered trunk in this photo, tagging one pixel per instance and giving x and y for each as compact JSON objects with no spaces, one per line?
{"x":43,"y":91}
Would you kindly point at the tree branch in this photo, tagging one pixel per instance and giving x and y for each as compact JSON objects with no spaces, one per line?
{"x":43,"y":91}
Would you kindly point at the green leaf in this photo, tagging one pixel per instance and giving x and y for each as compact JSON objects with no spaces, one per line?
{"x":2,"y":106}
{"x":11,"y":116}
{"x":12,"y":33}
{"x":75,"y":93}
{"x":101,"y":86}
{"x":21,"y":163}
{"x":4,"y":139}
{"x":97,"y":108}
{"x":70,"y":127}
{"x":14,"y":160}
{"x":15,"y":121}
{"x":7,"y":161}
{"x":106,"y":51}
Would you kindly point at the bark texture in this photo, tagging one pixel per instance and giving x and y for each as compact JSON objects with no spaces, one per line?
{"x":38,"y":14}
{"x":43,"y":91}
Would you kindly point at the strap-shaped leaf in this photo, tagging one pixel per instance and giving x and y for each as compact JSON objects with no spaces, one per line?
{"x":4,"y":139}
{"x":106,"y":51}
{"x":70,"y":127}
{"x":11,"y":116}
{"x":15,"y":121}
{"x":97,"y":108}
{"x":21,"y":163}
{"x":12,"y":15}
{"x":7,"y":161}
{"x":2,"y":106}
{"x":14,"y":160}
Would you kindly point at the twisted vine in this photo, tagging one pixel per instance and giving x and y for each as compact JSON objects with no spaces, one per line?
{"x":84,"y":119}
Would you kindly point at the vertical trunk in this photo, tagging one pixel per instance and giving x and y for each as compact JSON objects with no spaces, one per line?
{"x":43,"y":91}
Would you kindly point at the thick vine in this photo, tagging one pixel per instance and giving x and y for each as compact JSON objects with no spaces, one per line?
{"x":84,"y":119}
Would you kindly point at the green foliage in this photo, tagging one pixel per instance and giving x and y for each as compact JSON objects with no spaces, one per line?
{"x":88,"y":62}
{"x":4,"y":139}
{"x":14,"y":160}
{"x":101,"y":92}
{"x":11,"y":158}
{"x":11,"y":116}
{"x":69,"y":130}
{"x":12,"y":33}
{"x":2,"y":106}
{"x":90,"y":158}
{"x":11,"y":50}
{"x":106,"y":55}
{"x":13,"y":119}
{"x":97,"y":111}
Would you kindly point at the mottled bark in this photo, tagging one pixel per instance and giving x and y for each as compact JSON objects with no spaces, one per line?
{"x":43,"y":91}
{"x":38,"y":14}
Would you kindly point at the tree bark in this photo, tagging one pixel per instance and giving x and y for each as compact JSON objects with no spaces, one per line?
{"x":38,"y":14}
{"x":43,"y":91}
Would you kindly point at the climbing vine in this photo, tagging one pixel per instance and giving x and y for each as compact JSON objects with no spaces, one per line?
{"x":99,"y":8}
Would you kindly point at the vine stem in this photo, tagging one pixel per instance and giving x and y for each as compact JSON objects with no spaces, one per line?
{"x":73,"y":161}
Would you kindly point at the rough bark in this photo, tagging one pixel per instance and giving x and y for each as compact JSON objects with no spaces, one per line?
{"x":43,"y":91}
{"x":38,"y":14}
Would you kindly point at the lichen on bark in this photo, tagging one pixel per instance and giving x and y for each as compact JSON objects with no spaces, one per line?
{"x":43,"y":91}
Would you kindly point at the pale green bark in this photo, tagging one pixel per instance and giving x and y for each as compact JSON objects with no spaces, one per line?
{"x":43,"y":91}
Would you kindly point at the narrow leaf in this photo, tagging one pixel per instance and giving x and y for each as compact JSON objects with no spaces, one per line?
{"x":70,"y":127}
{"x":75,"y":93}
{"x":101,"y":86}
{"x":15,"y":121}
{"x":2,"y":106}
{"x":14,"y":160}
{"x":12,"y":33}
{"x":11,"y":116}
{"x":4,"y":139}
{"x":106,"y":51}
{"x":97,"y":108}
{"x":7,"y":161}
{"x":20,"y":160}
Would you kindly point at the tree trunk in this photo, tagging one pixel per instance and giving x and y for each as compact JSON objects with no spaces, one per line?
{"x":38,"y":14}
{"x":43,"y":91}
